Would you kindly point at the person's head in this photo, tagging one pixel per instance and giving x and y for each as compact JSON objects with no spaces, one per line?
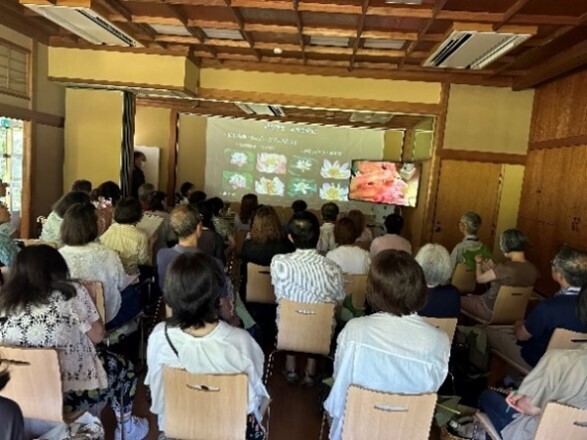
{"x":3,"y":187}
{"x":192,"y":290}
{"x":80,"y":225}
{"x":582,"y":305}
{"x":329,"y":212}
{"x":249,"y":204}
{"x":4,"y":374}
{"x":304,"y":230}
{"x":266,"y":226}
{"x":69,"y":199}
{"x":435,"y":262}
{"x":345,"y":231}
{"x":128,"y":211}
{"x":394,"y":223}
{"x":144,"y":190}
{"x":217,"y":205}
{"x":395,"y":284}
{"x":512,"y":240}
{"x":470,"y":223}
{"x":37,"y":271}
{"x":185,"y":221}
{"x":197,"y":197}
{"x":299,"y":206}
{"x":82,"y":186}
{"x":110,"y":191}
{"x":358,"y":218}
{"x":569,"y":267}
{"x":205,"y":210}
{"x":139,"y":159}
{"x":186,"y":188}
{"x":5,"y":215}
{"x":156,"y":201}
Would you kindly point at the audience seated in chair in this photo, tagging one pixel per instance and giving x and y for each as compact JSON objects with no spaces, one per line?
{"x":105,"y":198}
{"x":469,"y":225}
{"x":92,"y":261}
{"x":82,"y":185}
{"x":242,"y":220}
{"x":221,"y":225}
{"x":185,"y":221}
{"x":145,"y":190}
{"x":11,"y":419}
{"x":394,"y":224}
{"x":305,"y":276}
{"x":195,"y":339}
{"x":358,"y":218}
{"x":186,"y":189}
{"x":210,"y":241}
{"x":326,"y":241}
{"x":392,"y":349}
{"x":8,"y":247}
{"x":42,"y":307}
{"x":52,"y":226}
{"x":528,"y":341}
{"x":156,"y":205}
{"x":123,"y":236}
{"x":348,"y":255}
{"x":444,"y":299}
{"x":517,"y":272}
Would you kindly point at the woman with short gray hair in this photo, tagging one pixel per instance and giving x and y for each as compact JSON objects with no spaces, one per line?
{"x":444,"y":299}
{"x":517,"y":272}
{"x":469,"y":225}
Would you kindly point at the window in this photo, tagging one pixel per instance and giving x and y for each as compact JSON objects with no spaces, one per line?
{"x":14,"y":70}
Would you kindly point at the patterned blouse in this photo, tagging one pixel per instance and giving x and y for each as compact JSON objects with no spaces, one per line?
{"x":61,"y":324}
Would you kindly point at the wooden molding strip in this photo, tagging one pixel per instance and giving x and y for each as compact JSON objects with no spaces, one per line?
{"x":172,"y":163}
{"x":481,"y":156}
{"x":558,"y":143}
{"x":25,"y":114}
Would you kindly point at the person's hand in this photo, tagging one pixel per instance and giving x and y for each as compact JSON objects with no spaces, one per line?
{"x":478,"y":258}
{"x":522,"y":404}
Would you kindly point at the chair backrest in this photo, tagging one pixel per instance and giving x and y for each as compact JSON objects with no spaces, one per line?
{"x":35,"y":382}
{"x":206,"y":407}
{"x":510,"y":305}
{"x":239,"y":240}
{"x":376,"y":415}
{"x":562,"y":421}
{"x":464,"y":278}
{"x":96,"y":291}
{"x":37,"y":242}
{"x":448,"y":325}
{"x":356,"y":286}
{"x":305,"y":328}
{"x":566,"y":339}
{"x":259,"y":287}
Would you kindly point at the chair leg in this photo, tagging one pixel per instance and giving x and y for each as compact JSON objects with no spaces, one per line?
{"x":269,"y":369}
{"x":322,"y":425}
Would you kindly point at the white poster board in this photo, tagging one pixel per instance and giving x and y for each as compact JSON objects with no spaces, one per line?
{"x":151,"y":168}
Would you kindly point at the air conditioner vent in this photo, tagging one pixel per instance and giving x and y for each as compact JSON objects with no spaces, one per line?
{"x":261,"y":109}
{"x":473,"y":49}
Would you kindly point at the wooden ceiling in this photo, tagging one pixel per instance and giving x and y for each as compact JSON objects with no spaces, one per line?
{"x":365,"y":38}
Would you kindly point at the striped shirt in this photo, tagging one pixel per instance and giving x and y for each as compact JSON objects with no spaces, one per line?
{"x":306,"y":276}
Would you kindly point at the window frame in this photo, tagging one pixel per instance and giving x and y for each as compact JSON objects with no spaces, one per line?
{"x":7,"y":90}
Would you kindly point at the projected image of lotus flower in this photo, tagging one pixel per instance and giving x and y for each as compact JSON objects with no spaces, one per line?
{"x":301,"y":187}
{"x":303,"y":165}
{"x":239,"y":159}
{"x":334,"y":191}
{"x":270,"y":187}
{"x":271,"y":163}
{"x":237,"y":181}
{"x":335,"y":170}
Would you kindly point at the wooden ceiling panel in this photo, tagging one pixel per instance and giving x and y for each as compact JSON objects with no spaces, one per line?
{"x":478,"y":5}
{"x":329,"y":20}
{"x":269,"y":16}
{"x":573,"y":8}
{"x":211,"y":13}
{"x":376,"y":22}
{"x":275,"y":39}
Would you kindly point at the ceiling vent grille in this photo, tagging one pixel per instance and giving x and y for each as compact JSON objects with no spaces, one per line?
{"x":261,"y":109}
{"x":86,"y":24}
{"x":473,"y":50}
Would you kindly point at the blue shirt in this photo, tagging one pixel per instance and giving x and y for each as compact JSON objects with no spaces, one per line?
{"x":557,"y":312}
{"x":443,"y":302}
{"x":8,"y":247}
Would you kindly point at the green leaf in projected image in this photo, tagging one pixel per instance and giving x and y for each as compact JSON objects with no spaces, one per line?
{"x":301,"y":187}
{"x":301,"y":165}
{"x":234,"y":181}
{"x":242,"y":160}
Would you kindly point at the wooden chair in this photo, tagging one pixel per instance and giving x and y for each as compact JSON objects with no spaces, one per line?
{"x":259,"y":287}
{"x":356,"y":286}
{"x":239,"y":239}
{"x":35,"y":382}
{"x":37,"y":242}
{"x":302,"y":328}
{"x":464,"y":279}
{"x":376,"y":415}
{"x":510,"y":306}
{"x":205,"y":407}
{"x":448,"y":325}
{"x":562,"y":421}
{"x":485,"y":423}
{"x":96,"y":291}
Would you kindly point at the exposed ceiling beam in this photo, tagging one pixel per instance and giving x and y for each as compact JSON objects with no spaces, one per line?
{"x":300,"y":30}
{"x":360,"y":26}
{"x":196,"y":33}
{"x":512,"y":10}
{"x":241,"y":25}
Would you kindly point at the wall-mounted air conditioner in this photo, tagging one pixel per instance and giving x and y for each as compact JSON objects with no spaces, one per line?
{"x":261,"y":109}
{"x":474,"y":49}
{"x":85,"y":23}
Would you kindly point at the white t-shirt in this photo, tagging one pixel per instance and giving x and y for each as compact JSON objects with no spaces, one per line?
{"x":386,"y":353}
{"x":351,"y":259}
{"x":225,"y":350}
{"x":326,"y":241}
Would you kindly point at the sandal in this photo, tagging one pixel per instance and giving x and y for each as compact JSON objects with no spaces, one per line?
{"x":291,"y":376}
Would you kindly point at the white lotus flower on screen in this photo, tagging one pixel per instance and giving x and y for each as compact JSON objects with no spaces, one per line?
{"x":237,"y":181}
{"x":335,"y":170}
{"x":303,"y":165}
{"x":270,"y":187}
{"x":302,"y":188}
{"x":238,"y":159}
{"x":332,"y":191}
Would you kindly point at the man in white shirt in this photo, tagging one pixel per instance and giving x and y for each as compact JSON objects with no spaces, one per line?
{"x":305,"y":276}
{"x":394,"y":224}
